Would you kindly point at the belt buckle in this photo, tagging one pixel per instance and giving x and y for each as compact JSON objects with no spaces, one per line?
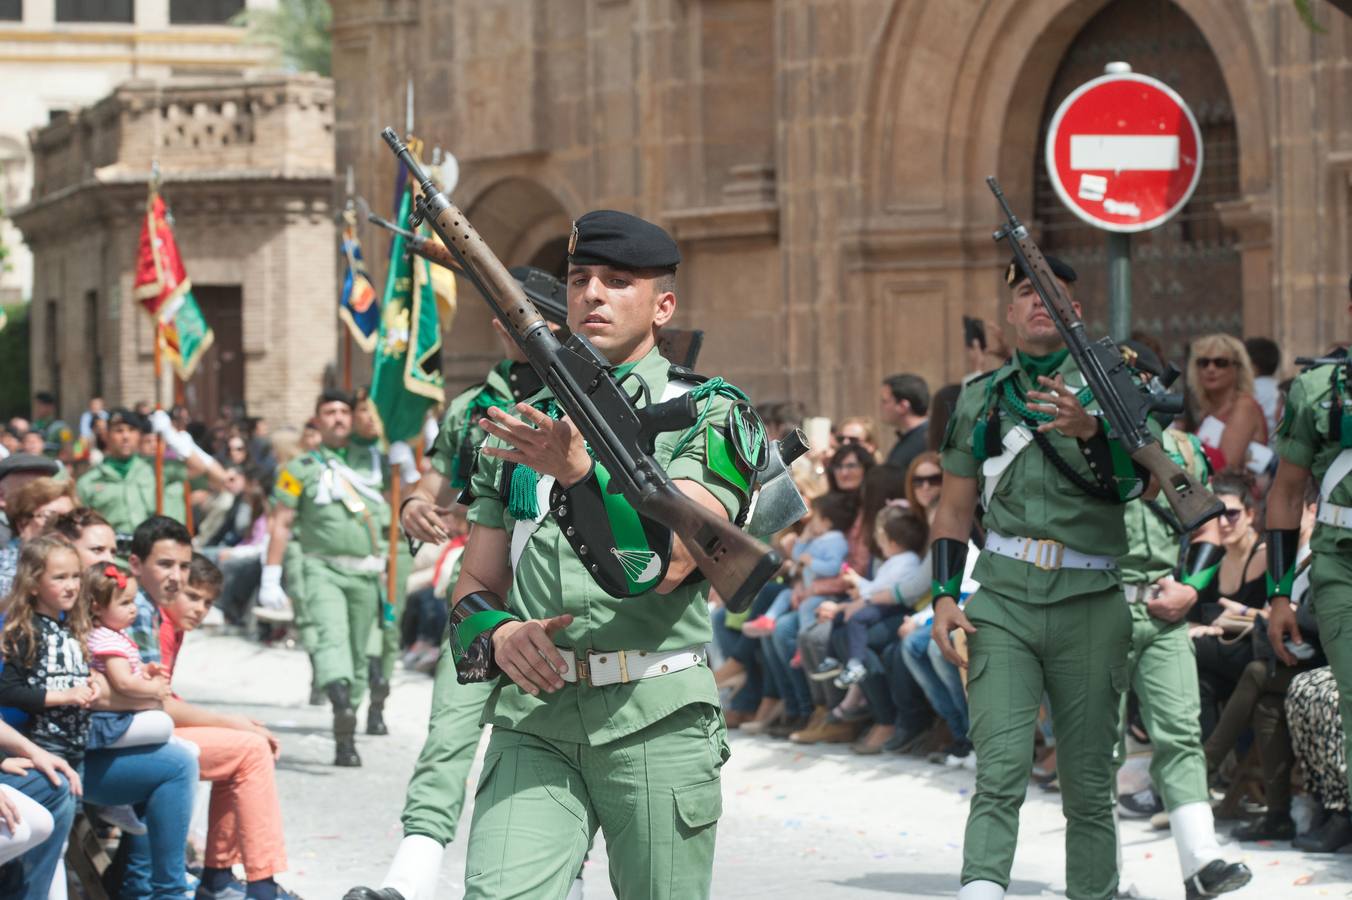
{"x":583,"y":670}
{"x":1045,"y":554}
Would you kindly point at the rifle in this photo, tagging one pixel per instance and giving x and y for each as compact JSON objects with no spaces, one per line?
{"x":621,"y":436}
{"x":1125,"y":405}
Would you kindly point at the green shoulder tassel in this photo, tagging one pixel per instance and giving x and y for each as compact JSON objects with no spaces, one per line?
{"x":522,"y":501}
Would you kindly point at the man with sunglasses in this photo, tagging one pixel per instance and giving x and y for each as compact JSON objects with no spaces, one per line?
{"x":1025,"y":442}
{"x":1315,"y":439}
{"x":1167,"y":690}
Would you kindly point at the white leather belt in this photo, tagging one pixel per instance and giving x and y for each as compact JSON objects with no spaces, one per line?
{"x":1139,"y":593}
{"x":604,"y":667}
{"x":1045,"y":554}
{"x":364,"y":565}
{"x":1335,"y":515}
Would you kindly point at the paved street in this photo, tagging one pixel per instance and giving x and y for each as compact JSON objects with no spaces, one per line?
{"x":812,"y":822}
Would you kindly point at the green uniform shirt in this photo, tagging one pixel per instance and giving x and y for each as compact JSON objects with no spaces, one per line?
{"x":550,"y":580}
{"x":128,"y":500}
{"x":460,"y":436}
{"x":1303,"y":440}
{"x":333,"y":519}
{"x":1033,"y":499}
{"x":1152,"y":544}
{"x":55,"y":435}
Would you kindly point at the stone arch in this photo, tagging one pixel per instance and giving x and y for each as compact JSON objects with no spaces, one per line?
{"x":523,"y":222}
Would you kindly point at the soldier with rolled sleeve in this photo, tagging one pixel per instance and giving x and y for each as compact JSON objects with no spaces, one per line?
{"x":1026,"y":441}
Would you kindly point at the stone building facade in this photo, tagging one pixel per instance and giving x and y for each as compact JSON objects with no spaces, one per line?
{"x":59,"y":55}
{"x":822,"y":162}
{"x":247,"y":171}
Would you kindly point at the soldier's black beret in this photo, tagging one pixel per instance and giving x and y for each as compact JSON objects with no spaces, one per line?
{"x":123,"y":416}
{"x":336,"y":395}
{"x":45,"y":397}
{"x":610,"y":238}
{"x":1014,"y":273}
{"x":27,"y":462}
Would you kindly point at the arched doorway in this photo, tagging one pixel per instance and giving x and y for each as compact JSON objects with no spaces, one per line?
{"x":1186,"y":274}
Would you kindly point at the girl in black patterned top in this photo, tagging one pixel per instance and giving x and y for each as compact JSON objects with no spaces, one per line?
{"x":46,"y":670}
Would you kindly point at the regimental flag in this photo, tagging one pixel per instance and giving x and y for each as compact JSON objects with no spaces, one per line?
{"x":164,"y":290}
{"x":358,"y":306}
{"x":407,"y":378}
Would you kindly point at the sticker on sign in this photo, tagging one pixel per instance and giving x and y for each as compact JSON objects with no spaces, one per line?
{"x":1118,"y":152}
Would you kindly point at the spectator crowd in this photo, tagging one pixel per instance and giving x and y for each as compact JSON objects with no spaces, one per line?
{"x":102,"y":575}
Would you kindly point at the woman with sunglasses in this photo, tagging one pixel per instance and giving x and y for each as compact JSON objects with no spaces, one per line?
{"x":1220,"y":384}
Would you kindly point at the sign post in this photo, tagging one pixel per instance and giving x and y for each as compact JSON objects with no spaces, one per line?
{"x":1124,"y":154}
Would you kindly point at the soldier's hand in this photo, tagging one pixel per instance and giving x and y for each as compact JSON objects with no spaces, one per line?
{"x":549,"y":446}
{"x":526,"y":653}
{"x":1061,"y":402}
{"x":1172,"y":600}
{"x":1282,"y":625}
{"x":947,"y":618}
{"x":424,"y":521}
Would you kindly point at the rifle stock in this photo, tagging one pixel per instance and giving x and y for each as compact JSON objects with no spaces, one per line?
{"x":1191,"y":502}
{"x":736,"y":564}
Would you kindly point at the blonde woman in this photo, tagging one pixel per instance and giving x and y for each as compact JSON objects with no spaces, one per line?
{"x":1220,"y":382}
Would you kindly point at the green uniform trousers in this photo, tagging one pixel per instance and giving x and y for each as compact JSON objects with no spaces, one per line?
{"x":1163,"y":673}
{"x":1331,"y":588}
{"x":436,"y":792}
{"x":341,"y":607}
{"x":383,"y":643}
{"x":1076,"y":651}
{"x":655,"y":795}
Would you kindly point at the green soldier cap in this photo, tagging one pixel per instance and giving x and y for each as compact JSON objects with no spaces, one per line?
{"x":1014,"y":273}
{"x":609,"y":238}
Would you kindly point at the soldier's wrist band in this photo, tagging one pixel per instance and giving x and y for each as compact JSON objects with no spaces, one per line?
{"x":473,"y":621}
{"x":950,"y":561}
{"x":1200,"y":565}
{"x":1283,"y":544}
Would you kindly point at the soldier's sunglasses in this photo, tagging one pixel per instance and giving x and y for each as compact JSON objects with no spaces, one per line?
{"x":1219,"y":362}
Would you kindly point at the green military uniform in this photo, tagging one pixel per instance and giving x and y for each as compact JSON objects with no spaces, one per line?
{"x":1063,"y":630}
{"x":639,"y":760}
{"x":123,"y":491}
{"x":342,"y":519}
{"x":436,"y":792}
{"x":56,"y":434}
{"x":1305,"y":439}
{"x":1162,"y":664}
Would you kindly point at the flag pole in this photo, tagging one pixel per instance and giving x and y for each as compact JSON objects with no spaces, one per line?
{"x":347,"y":332}
{"x":392,"y":581}
{"x":159,"y":361}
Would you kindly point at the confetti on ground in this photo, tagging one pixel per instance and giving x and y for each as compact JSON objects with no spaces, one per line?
{"x":1304,"y":879}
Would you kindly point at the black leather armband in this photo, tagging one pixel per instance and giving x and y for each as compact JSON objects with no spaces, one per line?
{"x":625,"y":552}
{"x":473,"y":621}
{"x":950,"y":561}
{"x":1200,"y":564}
{"x":1283,"y":545}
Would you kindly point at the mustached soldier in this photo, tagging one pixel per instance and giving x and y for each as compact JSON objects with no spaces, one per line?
{"x":608,"y":716}
{"x":1315,"y":440}
{"x":1161,"y":668}
{"x":1049,"y":615}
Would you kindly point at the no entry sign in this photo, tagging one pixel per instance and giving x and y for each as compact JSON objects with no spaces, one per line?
{"x":1124,"y":152}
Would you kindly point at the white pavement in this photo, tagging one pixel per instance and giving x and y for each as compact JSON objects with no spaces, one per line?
{"x":814,"y":822}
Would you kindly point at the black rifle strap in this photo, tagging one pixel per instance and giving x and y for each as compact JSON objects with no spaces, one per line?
{"x":1097,"y":491}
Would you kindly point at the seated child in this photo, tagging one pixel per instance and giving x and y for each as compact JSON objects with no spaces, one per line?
{"x":902,"y":536}
{"x":819,"y":552}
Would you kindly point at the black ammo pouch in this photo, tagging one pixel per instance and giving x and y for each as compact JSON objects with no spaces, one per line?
{"x":626,"y":553}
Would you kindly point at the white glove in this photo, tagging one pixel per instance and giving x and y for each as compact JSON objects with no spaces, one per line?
{"x":270,"y":593}
{"x":401,"y":455}
{"x":179,"y":441}
{"x":161,"y":424}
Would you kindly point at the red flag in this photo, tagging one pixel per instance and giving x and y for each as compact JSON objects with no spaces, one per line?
{"x":164,"y":291}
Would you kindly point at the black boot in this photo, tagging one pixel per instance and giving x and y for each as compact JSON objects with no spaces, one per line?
{"x":344,"y":724}
{"x":1217,"y":877}
{"x":366,"y":893}
{"x":1335,"y":834}
{"x":1270,"y":827}
{"x":375,"y":709}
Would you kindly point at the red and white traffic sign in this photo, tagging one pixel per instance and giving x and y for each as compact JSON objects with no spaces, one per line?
{"x":1124,"y":152}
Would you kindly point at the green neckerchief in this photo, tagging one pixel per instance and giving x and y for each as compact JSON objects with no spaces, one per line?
{"x":120,"y":466}
{"x":359,"y":441}
{"x":1042,"y":365}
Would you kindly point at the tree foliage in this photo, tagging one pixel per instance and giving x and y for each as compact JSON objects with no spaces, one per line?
{"x":300,"y":30}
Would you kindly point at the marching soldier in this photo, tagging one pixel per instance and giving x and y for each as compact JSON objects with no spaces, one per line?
{"x":122,"y":487}
{"x":1049,"y":615}
{"x":1315,"y":439}
{"x":608,"y":715}
{"x":1161,"y":668}
{"x":436,"y":792}
{"x":334,"y":498}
